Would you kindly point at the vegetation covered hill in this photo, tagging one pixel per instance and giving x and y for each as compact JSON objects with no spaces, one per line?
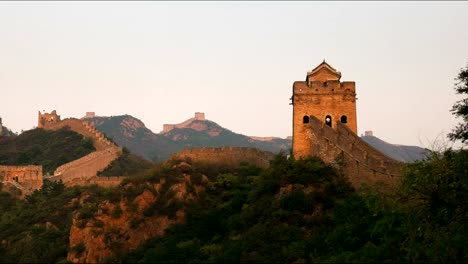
{"x":44,"y":147}
{"x":295,"y":211}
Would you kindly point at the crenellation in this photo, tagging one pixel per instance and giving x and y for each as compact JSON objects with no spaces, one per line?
{"x":325,"y":125}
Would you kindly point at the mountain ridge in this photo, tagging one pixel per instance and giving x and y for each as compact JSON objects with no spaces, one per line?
{"x":198,"y":132}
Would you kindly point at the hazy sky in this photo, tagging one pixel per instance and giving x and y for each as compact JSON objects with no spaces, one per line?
{"x":235,"y":61}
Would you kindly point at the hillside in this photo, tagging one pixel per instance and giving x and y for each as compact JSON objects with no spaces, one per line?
{"x":44,"y":147}
{"x":293,"y":212}
{"x":398,"y":152}
{"x":131,"y":133}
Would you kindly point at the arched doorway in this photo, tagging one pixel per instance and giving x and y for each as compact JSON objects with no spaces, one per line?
{"x":328,"y":120}
{"x":344,"y":119}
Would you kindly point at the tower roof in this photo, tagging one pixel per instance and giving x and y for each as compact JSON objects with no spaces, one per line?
{"x":323,"y":72}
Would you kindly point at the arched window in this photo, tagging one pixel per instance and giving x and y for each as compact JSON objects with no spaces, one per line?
{"x":305,"y":120}
{"x":344,"y":119}
{"x":328,"y":120}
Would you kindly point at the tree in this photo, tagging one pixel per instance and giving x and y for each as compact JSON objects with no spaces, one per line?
{"x":460,"y":108}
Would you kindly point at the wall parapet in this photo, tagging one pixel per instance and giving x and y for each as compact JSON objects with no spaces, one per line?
{"x":103,"y":181}
{"x":230,"y":156}
{"x":29,"y":177}
{"x":88,"y":166}
{"x":362,"y":163}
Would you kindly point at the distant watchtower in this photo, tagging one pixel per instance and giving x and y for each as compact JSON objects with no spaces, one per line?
{"x":321,"y":95}
{"x":46,"y":118}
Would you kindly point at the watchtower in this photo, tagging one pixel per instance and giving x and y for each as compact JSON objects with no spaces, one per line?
{"x":46,"y":118}
{"x":321,"y":95}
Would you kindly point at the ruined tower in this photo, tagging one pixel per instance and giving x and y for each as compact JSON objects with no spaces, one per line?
{"x":46,"y":118}
{"x":1,"y":127}
{"x":321,"y":95}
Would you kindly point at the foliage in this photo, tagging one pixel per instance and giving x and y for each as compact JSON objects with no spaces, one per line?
{"x":299,"y":211}
{"x":36,"y":229}
{"x":460,"y":108}
{"x":48,"y":148}
{"x":303,"y":211}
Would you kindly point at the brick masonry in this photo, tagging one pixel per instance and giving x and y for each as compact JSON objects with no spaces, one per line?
{"x":27,"y":178}
{"x":87,"y":167}
{"x":336,"y":142}
{"x":229,"y":156}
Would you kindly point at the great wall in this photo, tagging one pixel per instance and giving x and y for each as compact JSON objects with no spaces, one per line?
{"x":86,"y":168}
{"x":81,"y":171}
{"x":361,"y":163}
{"x":26,"y":178}
{"x":228,"y":156}
{"x":324,"y":125}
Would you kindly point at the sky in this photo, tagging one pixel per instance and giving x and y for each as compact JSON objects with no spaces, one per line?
{"x":235,"y":61}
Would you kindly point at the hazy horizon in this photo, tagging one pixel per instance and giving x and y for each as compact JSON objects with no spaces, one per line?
{"x":235,"y":61}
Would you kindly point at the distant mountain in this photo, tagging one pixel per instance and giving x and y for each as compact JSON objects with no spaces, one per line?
{"x":130,"y":132}
{"x":402,"y":153}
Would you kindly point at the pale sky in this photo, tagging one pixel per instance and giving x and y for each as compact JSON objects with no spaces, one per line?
{"x":234,"y":61}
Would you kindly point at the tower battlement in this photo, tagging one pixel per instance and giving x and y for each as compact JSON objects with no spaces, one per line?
{"x":325,"y":97}
{"x":46,"y":118}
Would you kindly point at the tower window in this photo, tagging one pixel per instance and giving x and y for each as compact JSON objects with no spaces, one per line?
{"x":344,"y":119}
{"x":328,"y":120}
{"x":305,"y":120}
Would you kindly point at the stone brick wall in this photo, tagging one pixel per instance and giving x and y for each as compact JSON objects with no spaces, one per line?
{"x":229,"y":156}
{"x":88,"y":166}
{"x":321,"y":95}
{"x":29,"y":177}
{"x":360,"y":162}
{"x":84,"y":128}
{"x":103,"y":181}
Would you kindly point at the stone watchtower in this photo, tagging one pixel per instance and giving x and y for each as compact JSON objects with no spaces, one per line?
{"x":46,"y":118}
{"x":321,"y":95}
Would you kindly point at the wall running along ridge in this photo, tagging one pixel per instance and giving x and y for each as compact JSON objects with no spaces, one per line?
{"x":87,"y":167}
{"x":361,"y":163}
{"x":229,"y":156}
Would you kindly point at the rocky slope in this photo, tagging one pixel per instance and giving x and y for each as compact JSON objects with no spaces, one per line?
{"x":145,"y":209}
